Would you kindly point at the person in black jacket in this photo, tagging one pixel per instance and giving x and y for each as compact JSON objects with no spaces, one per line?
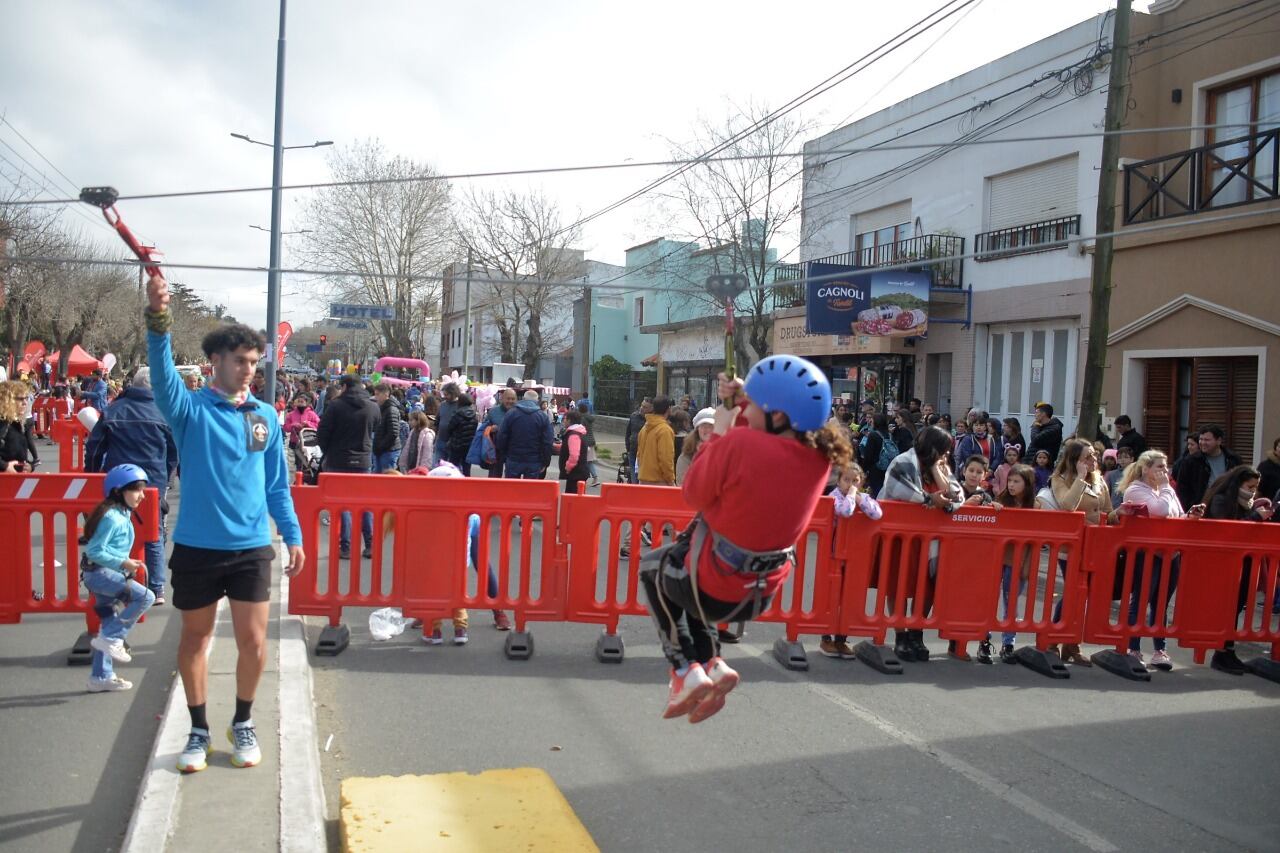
{"x":1130,"y":437}
{"x":386,"y":439}
{"x":13,"y":443}
{"x":462,"y":428}
{"x":1198,"y":471}
{"x":525,"y":440}
{"x":1269,"y":469}
{"x":869,"y":447}
{"x":345,"y":439}
{"x":1046,"y":434}
{"x":634,"y":424}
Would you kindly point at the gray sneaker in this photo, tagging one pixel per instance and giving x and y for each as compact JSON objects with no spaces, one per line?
{"x":193,"y":757}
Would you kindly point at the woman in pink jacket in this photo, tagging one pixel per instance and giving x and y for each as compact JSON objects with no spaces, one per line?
{"x":300,"y":416}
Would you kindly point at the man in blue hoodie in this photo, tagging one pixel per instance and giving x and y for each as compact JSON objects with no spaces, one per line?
{"x":132,"y":431}
{"x":233,"y":475}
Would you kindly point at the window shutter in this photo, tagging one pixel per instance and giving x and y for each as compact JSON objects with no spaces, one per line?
{"x":882,"y":217}
{"x":1034,"y":194}
{"x":1210,"y":392}
{"x":1160,"y":427}
{"x":1244,"y":405}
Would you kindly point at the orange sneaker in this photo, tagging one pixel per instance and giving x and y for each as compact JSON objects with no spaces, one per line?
{"x":708,"y":707}
{"x":687,"y":691}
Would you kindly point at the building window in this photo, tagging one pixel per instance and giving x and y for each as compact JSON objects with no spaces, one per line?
{"x":638,"y":311}
{"x":1247,"y":107}
{"x":876,"y":247}
{"x":1028,"y":364}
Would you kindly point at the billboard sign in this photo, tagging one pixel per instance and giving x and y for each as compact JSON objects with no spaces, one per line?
{"x":844,"y":300}
{"x":353,"y":311}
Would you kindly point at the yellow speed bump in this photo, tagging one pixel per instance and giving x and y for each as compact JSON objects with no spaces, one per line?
{"x":519,"y":809}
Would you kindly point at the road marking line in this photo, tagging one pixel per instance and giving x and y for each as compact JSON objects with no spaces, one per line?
{"x":26,"y":489}
{"x":151,"y":826}
{"x":302,"y":824}
{"x":981,"y":778}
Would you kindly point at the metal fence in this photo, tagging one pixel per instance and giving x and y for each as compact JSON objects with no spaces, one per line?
{"x":622,"y":396}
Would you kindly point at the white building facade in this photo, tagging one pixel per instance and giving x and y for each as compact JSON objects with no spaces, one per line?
{"x":1020,"y":205}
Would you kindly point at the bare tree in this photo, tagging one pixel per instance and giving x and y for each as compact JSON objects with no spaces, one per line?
{"x":521,"y":240}
{"x":742,"y":208}
{"x":390,"y":225}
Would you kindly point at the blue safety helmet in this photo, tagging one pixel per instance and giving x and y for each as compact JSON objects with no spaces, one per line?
{"x":122,"y":476}
{"x":792,"y":385}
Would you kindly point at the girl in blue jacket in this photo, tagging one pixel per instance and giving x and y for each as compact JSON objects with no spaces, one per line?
{"x":107,"y":572}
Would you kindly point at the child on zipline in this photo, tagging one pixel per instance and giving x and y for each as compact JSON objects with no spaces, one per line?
{"x":755,"y":487}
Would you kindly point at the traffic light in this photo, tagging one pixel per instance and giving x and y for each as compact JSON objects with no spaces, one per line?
{"x":324,"y":339}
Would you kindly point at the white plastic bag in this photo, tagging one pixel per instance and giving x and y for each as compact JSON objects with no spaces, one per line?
{"x":386,"y":623}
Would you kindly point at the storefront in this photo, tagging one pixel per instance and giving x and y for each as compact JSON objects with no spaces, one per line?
{"x":860,"y":367}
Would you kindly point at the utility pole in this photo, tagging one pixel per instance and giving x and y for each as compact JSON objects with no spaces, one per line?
{"x":586,"y":338}
{"x":1100,"y":289}
{"x":273,"y":265}
{"x":466,"y":321}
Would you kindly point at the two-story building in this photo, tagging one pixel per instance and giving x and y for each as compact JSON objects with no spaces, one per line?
{"x":1195,"y":309}
{"x":928,"y":180}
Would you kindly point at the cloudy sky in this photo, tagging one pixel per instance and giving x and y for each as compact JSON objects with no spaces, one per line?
{"x":143,"y":94}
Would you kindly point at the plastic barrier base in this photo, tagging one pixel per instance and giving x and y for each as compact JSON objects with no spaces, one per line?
{"x":1264,"y":668}
{"x":1121,"y":664}
{"x":790,"y":655}
{"x":879,"y":658}
{"x":519,"y":645}
{"x":333,"y":639}
{"x":81,"y":653}
{"x":1045,"y":663}
{"x":609,"y":648}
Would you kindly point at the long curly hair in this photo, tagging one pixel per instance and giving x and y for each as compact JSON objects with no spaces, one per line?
{"x":830,"y":443}
{"x":13,"y":398}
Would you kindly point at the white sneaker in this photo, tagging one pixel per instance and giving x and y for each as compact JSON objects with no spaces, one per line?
{"x":686,"y":691}
{"x":113,"y":648}
{"x":244,"y":739}
{"x":1161,"y":660}
{"x":109,"y":685}
{"x":724,"y":677}
{"x":194,"y":755}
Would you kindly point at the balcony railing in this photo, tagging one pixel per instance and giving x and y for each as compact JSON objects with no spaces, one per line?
{"x":1025,"y":239}
{"x":915,"y":253}
{"x":1211,"y":177}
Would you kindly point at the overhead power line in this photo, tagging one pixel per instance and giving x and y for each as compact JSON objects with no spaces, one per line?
{"x":576,"y":284}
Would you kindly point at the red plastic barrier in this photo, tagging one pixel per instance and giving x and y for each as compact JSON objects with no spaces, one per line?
{"x":604,"y":586}
{"x":1222,"y":568}
{"x":421,"y":523}
{"x":70,"y":435}
{"x":887,"y":572}
{"x":31,"y":579}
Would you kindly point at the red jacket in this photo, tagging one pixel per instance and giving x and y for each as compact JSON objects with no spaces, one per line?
{"x":758,"y":490}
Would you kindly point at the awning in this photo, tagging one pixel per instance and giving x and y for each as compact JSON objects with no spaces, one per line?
{"x":651,"y":361}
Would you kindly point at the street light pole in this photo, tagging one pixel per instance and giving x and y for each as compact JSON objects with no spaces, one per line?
{"x":273,"y":264}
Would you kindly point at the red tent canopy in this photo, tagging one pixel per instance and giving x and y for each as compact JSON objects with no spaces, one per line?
{"x":80,"y":363}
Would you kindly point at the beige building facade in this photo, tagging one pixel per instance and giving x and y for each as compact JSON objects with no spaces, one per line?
{"x":1194,"y":335}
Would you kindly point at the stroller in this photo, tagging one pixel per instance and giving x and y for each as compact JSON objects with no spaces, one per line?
{"x":307,"y":455}
{"x":624,"y":468}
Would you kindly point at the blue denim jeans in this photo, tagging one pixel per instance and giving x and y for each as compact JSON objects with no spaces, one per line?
{"x":385,"y":461}
{"x":366,"y":529}
{"x":109,"y":587}
{"x":1157,"y":643}
{"x":154,"y":556}
{"x":1006,"y":582}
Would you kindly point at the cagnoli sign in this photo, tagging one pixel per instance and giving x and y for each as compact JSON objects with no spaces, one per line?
{"x":844,"y":300}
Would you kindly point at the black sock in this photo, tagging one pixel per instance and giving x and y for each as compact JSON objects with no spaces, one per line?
{"x":198,"y":720}
{"x":243,"y":706}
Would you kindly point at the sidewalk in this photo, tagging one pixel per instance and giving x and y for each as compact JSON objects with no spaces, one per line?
{"x":273,"y":806}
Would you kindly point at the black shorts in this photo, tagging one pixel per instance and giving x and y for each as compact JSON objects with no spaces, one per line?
{"x":201,"y":576}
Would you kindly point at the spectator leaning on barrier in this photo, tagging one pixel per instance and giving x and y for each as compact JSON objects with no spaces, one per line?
{"x":656,"y":447}
{"x":525,"y":440}
{"x":1212,"y":461}
{"x":1234,"y":497}
{"x":1146,"y":489}
{"x":132,"y":431}
{"x":233,"y":475}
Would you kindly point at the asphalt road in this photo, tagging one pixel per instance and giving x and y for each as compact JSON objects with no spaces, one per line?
{"x":949,"y":755}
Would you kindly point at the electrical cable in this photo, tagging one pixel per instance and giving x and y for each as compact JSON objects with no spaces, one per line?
{"x":1174,"y":223}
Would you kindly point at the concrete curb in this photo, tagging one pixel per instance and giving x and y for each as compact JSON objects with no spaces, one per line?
{"x":151,"y":826}
{"x":302,"y":820}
